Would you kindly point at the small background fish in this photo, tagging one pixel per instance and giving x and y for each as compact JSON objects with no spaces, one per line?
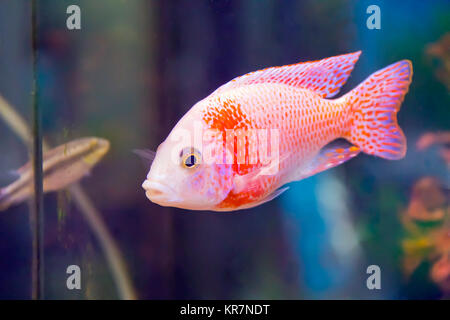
{"x":62,"y":166}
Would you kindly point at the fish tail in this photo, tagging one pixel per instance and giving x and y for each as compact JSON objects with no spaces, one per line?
{"x":373,"y":106}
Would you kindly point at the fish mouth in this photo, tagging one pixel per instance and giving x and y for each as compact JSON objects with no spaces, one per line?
{"x":159,"y":192}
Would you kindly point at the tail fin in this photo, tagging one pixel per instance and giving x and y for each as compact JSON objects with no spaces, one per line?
{"x":374,"y":105}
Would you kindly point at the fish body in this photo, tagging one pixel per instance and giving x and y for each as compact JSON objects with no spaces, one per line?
{"x":62,"y":166}
{"x":285,"y":112}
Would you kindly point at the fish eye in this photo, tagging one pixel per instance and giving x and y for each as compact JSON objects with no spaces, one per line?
{"x":190,"y":158}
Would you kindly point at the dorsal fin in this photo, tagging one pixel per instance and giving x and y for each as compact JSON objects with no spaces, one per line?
{"x":325,"y":76}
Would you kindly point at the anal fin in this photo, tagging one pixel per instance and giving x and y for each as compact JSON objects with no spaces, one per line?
{"x":332,"y":155}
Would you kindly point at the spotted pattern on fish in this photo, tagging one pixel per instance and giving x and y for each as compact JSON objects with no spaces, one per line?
{"x":289,"y":104}
{"x":375,"y":104}
{"x":271,"y":98}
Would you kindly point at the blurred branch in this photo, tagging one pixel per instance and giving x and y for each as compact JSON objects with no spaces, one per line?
{"x":112,"y":252}
{"x":15,"y":122}
{"x":85,"y":205}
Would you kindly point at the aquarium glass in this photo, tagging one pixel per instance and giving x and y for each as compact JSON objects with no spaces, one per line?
{"x":105,"y":83}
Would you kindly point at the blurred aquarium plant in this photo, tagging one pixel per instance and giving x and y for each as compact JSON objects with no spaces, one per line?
{"x":440,"y":51}
{"x":426,"y":220}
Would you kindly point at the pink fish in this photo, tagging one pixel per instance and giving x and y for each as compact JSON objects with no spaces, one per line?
{"x":236,"y":148}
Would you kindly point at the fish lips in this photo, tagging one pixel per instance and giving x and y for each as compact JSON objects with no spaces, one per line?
{"x":160,"y":193}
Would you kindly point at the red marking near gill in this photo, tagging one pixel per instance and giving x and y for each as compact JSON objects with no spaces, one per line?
{"x":228,"y":115}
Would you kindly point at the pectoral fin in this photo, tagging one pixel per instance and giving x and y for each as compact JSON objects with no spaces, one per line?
{"x":147,"y":156}
{"x":252,"y":179}
{"x":268,"y":198}
{"x":273,"y":195}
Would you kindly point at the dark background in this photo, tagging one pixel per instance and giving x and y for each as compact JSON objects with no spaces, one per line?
{"x":135,"y":68}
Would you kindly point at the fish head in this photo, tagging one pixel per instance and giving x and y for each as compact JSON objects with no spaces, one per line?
{"x":181,"y":175}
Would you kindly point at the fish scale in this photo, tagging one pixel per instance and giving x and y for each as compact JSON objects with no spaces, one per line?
{"x":305,"y":121}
